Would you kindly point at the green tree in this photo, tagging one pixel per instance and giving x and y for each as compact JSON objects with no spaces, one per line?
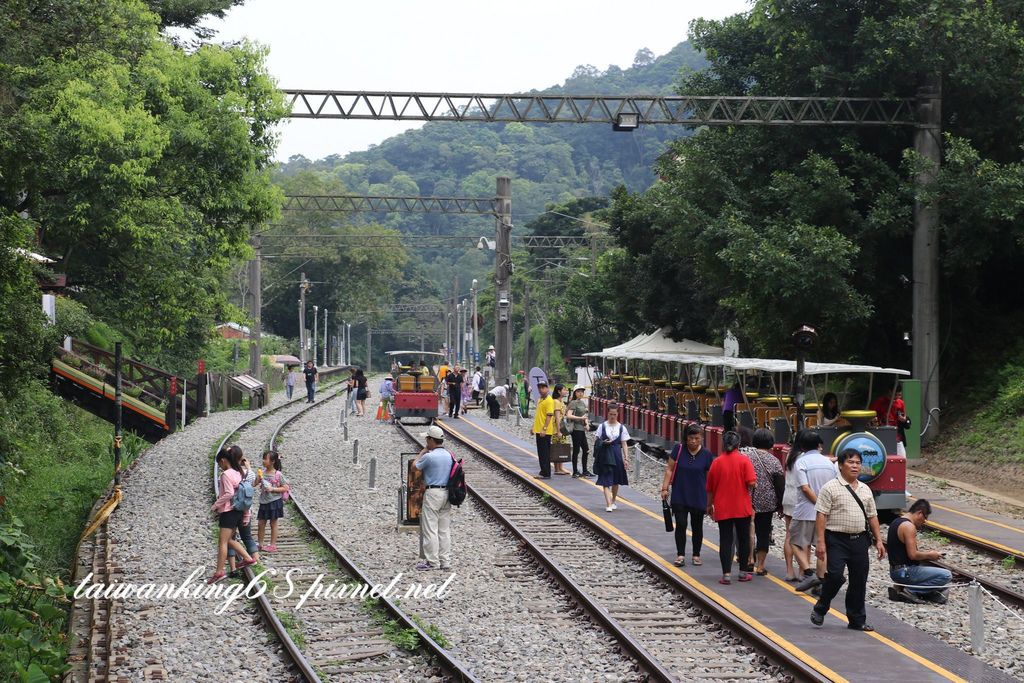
{"x":764,"y":228}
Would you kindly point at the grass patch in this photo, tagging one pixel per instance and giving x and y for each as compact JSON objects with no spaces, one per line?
{"x":1009,"y":562}
{"x":293,"y":629}
{"x":934,"y":537}
{"x":431,"y":630}
{"x":59,"y":459}
{"x":405,"y":638}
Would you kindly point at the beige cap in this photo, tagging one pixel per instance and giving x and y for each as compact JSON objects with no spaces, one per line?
{"x":434,"y":432}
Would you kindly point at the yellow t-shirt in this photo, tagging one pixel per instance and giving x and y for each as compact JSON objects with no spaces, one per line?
{"x":544,"y":408}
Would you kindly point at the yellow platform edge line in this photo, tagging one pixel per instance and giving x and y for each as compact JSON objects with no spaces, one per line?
{"x":716,"y":597}
{"x":970,"y":516}
{"x":806,"y":658}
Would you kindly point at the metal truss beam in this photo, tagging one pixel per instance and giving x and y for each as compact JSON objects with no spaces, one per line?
{"x":374,"y":241}
{"x":372,"y":204}
{"x":400,"y":308}
{"x":411,"y":333}
{"x":536,"y":108}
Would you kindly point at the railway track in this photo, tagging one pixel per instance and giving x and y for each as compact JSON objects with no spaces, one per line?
{"x":332,"y":638}
{"x":672,"y":632}
{"x":976,"y":542}
{"x":90,"y":656}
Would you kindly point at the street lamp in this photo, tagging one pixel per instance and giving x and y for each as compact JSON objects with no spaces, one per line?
{"x":458,"y":332}
{"x":462,"y":340}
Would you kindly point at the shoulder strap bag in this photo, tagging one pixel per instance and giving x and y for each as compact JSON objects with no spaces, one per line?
{"x":860,"y":504}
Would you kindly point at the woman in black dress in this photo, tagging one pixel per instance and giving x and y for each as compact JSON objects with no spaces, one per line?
{"x":611,"y":472}
{"x":361,"y":392}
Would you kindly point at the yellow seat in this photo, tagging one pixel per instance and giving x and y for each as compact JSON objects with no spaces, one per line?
{"x":406,"y":383}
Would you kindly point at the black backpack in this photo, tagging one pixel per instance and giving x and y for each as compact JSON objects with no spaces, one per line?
{"x":456,"y":483}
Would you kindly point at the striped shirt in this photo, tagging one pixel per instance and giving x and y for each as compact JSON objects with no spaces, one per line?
{"x":842,"y":512}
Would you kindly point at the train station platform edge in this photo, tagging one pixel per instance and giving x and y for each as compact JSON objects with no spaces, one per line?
{"x":896,"y":651}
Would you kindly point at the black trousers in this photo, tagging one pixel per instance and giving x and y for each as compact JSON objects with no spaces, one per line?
{"x":728,"y":420}
{"x":454,"y":400}
{"x":493,"y":407}
{"x":762,"y":530}
{"x":845,"y":551}
{"x":696,"y":517}
{"x":544,"y":454}
{"x":579,"y":443}
{"x":735,"y":530}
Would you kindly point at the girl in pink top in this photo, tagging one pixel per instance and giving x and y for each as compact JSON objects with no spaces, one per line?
{"x":229,"y":460}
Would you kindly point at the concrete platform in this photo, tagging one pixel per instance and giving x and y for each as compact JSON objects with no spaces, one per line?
{"x":896,"y":652}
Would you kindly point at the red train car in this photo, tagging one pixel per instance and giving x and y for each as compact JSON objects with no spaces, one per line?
{"x":416,"y":384}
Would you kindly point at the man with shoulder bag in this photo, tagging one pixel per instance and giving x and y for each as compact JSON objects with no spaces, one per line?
{"x":846,"y":527}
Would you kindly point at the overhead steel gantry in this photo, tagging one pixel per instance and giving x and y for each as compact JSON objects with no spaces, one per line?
{"x":538,"y":108}
{"x":922,"y":114}
{"x":374,"y":204}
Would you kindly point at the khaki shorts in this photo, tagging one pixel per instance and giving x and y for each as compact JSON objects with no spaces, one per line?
{"x":801,"y":533}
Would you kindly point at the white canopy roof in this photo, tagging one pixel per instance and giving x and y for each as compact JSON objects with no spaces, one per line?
{"x":658,"y":342}
{"x":765,"y":364}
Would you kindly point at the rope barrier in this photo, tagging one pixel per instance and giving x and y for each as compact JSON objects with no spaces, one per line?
{"x":931,"y":588}
{"x":1001,"y":603}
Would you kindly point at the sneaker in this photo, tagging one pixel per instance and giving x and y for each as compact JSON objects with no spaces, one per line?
{"x":575,"y":475}
{"x":424,"y":567}
{"x":614,"y":506}
{"x":936,"y":597}
{"x":270,"y":548}
{"x":216,"y":578}
{"x":817,"y":619}
{"x":609,"y":509}
{"x":588,"y":473}
{"x":816,"y":591}
{"x":808,"y":583}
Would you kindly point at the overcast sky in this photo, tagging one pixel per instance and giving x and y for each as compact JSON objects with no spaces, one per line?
{"x":450,"y":46}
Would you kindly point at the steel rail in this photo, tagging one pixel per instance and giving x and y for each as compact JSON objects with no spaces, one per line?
{"x":448,"y":662}
{"x":648,"y":662}
{"x":759,"y":641}
{"x":975,"y":542}
{"x":999,"y":589}
{"x":299,"y":660}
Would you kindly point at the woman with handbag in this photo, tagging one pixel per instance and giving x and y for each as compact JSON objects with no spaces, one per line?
{"x":558,"y":416}
{"x":614,"y":458}
{"x":686,"y":479}
{"x":767,"y":495}
{"x":577,"y":414}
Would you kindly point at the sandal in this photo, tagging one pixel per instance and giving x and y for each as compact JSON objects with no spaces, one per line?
{"x":697,"y":561}
{"x":250,"y":562}
{"x":744,"y":577}
{"x":219,"y":576}
{"x":863,"y":627}
{"x":680,"y":561}
{"x":761,"y":572}
{"x":725,"y":582}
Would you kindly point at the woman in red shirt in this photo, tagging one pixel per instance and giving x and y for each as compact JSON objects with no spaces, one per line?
{"x":731,"y":481}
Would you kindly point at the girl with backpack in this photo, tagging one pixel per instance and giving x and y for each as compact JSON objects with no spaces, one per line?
{"x":229,"y":518}
{"x":273,"y":489}
{"x":245,"y":528}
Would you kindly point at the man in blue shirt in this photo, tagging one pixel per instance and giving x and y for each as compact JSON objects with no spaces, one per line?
{"x":436,"y":515}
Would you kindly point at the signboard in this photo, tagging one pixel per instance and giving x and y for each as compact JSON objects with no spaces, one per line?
{"x":871,"y":449}
{"x":536,"y":375}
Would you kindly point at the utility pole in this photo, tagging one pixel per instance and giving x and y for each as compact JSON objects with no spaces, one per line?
{"x":503,"y":280}
{"x":593,"y":256}
{"x":462,"y":339}
{"x":547,"y":349}
{"x":316,"y":333}
{"x":348,"y":343}
{"x":327,"y":359}
{"x":369,"y":345}
{"x":476,"y":327}
{"x":925,"y":306}
{"x":256,"y":298}
{"x":527,"y":365}
{"x":303,"y":288}
{"x":339,"y":343}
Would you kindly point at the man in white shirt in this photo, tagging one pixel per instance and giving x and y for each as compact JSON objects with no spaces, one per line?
{"x":478,"y":386}
{"x":813,"y":470}
{"x":497,"y":397}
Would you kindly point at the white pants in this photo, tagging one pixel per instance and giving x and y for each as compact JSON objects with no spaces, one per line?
{"x":435,"y":526}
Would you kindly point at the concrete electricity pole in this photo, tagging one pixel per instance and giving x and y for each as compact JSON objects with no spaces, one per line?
{"x":476,"y":330}
{"x":925,"y":304}
{"x":256,"y":289}
{"x":503,"y":280}
{"x":303,"y":288}
{"x":316,"y":333}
